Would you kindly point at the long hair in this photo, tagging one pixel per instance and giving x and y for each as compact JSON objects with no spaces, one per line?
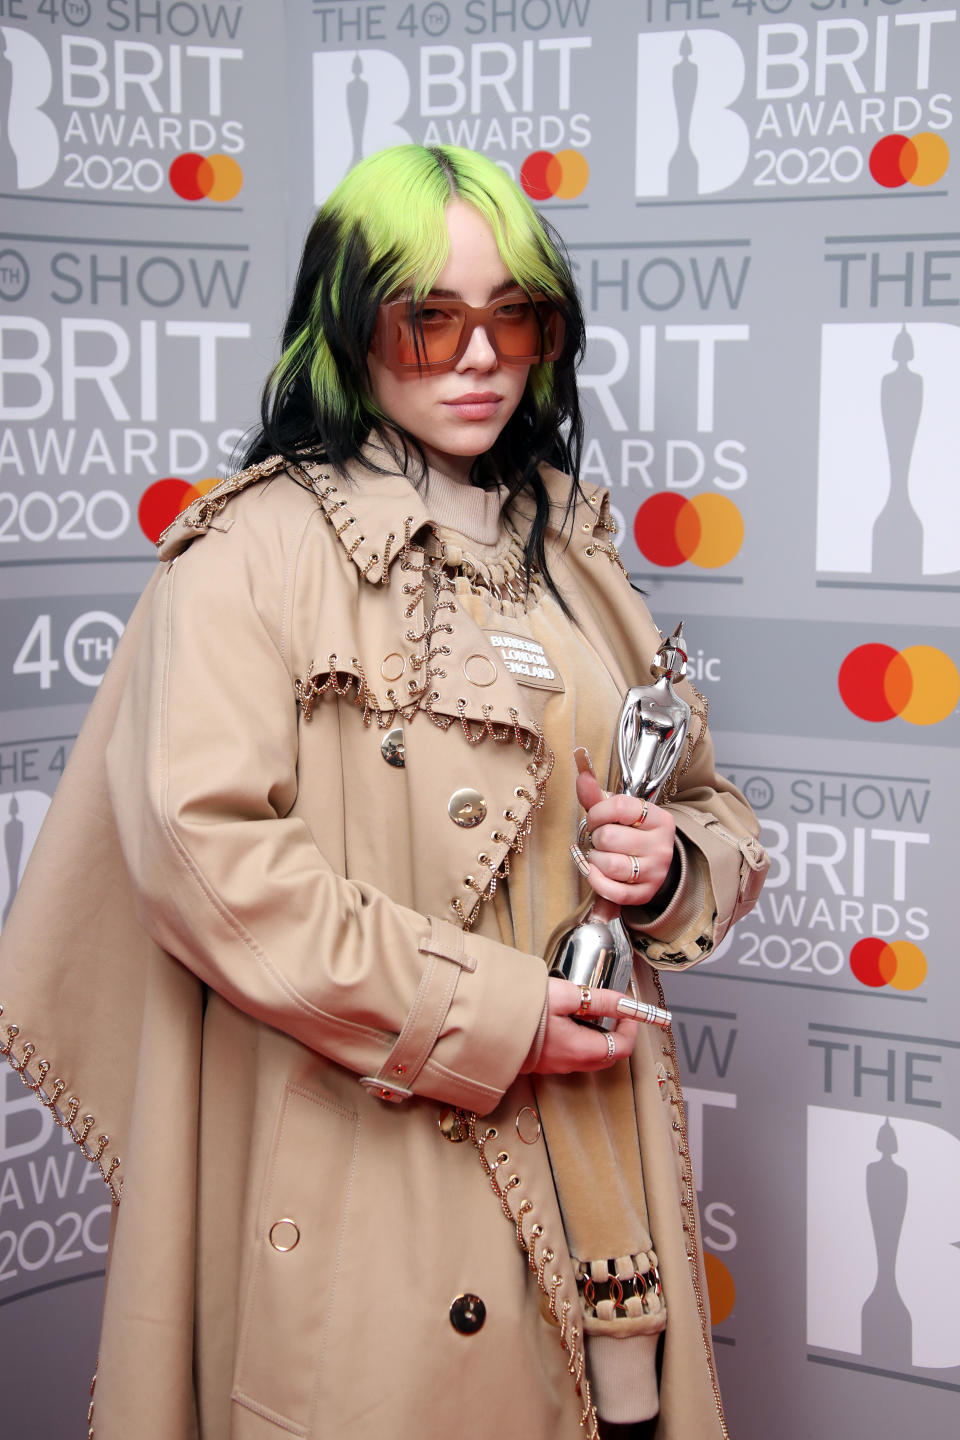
{"x":381,"y":232}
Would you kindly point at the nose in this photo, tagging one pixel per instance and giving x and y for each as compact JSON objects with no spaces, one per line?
{"x":479,"y":354}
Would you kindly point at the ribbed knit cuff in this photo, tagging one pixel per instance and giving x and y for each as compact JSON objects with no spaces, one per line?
{"x":533,"y":1054}
{"x":623,"y":1377}
{"x":680,"y":911}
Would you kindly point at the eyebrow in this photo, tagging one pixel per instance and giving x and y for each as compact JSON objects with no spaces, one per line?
{"x":503,"y":289}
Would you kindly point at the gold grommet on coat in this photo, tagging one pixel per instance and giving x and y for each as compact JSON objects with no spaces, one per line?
{"x":391,"y":747}
{"x":479,"y":670}
{"x":467,"y":808}
{"x":528,"y":1125}
{"x":284,"y":1235}
{"x":392,"y":666}
{"x":467,"y":1314}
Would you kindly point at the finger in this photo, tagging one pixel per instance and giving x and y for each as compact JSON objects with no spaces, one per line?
{"x":627,"y":810}
{"x":589,"y":790}
{"x":623,"y":840}
{"x":616,"y":890}
{"x":631,"y":869}
{"x":618,"y":1044}
{"x":564,"y":998}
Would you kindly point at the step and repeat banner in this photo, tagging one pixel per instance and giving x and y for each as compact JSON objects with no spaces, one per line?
{"x":759,"y":200}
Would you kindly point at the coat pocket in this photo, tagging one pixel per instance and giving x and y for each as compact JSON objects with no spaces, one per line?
{"x":299,"y":1241}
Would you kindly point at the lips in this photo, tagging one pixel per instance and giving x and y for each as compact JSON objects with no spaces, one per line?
{"x":475,"y":404}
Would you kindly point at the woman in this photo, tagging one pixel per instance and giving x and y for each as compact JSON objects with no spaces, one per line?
{"x":327,"y":792}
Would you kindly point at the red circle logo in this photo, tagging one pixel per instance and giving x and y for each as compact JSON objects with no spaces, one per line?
{"x":920,"y":684}
{"x":211,"y":177}
{"x":919,"y":159}
{"x":545,"y":175}
{"x":707,"y":530}
{"x":899,"y":963}
{"x":161,"y":502}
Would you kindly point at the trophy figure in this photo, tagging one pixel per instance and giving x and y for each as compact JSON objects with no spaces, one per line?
{"x":597,"y":953}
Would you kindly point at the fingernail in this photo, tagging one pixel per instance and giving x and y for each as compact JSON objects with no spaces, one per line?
{"x":584,"y":764}
{"x":580,"y":860}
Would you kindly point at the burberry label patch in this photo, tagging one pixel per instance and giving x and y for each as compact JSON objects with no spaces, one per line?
{"x":526,"y":660}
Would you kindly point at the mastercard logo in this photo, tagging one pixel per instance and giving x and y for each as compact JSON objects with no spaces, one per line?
{"x":547,"y":176}
{"x":720,"y":1287}
{"x":920,"y":684}
{"x":920,"y":160}
{"x":707,"y":530}
{"x":895,"y":962}
{"x":161,"y":502}
{"x":205,"y":177}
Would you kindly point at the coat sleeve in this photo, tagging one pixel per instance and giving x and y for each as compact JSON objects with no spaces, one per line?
{"x":722,"y":868}
{"x":202,"y":770}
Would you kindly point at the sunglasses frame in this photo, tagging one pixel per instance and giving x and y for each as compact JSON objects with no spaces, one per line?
{"x":385,"y":343}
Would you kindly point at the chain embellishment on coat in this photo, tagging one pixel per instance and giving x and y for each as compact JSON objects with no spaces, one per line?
{"x":570,"y":1336}
{"x":66,"y":1117}
{"x":540,"y":768}
{"x":200,"y":514}
{"x":502,"y":581}
{"x":688,"y":1206}
{"x":604,"y":523}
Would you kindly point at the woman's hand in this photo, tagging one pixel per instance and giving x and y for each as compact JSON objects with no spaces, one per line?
{"x":617,"y":836}
{"x":568,"y":1046}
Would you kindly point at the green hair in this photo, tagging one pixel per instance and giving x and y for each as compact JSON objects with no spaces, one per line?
{"x":382,"y":232}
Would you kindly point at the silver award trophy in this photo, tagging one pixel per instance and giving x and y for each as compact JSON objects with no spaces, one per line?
{"x":597,"y":953}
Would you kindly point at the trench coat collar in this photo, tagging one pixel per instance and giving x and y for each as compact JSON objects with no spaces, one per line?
{"x":375,"y":514}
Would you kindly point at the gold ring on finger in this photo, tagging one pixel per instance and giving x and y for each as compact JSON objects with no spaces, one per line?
{"x":634,"y":869}
{"x":611,"y":1046}
{"x":585,"y":999}
{"x":642,"y":816}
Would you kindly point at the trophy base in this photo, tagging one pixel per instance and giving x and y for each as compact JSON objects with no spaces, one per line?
{"x":598,"y":955}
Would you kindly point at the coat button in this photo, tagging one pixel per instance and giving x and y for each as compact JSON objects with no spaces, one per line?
{"x":467,"y":808}
{"x":467,"y":1314}
{"x":284,"y":1235}
{"x":391,"y":747}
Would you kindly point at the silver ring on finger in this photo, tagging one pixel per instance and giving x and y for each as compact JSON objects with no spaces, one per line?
{"x":634,"y":869}
{"x":611,"y":1046}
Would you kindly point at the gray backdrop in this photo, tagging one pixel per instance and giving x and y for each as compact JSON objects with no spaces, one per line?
{"x":760,"y":207}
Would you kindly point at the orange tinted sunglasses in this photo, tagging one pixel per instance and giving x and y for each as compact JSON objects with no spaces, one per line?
{"x":523,"y":330}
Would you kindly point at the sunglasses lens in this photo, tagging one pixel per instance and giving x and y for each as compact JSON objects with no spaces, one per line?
{"x":528,"y":331}
{"x":431,"y":338}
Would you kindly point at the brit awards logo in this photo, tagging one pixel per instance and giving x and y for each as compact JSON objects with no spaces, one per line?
{"x":26,"y":132}
{"x":689,"y":141}
{"x":883,"y":1241}
{"x":889,"y":437}
{"x":359,"y":98}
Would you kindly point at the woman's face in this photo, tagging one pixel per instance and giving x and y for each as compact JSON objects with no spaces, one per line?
{"x":457,"y":415}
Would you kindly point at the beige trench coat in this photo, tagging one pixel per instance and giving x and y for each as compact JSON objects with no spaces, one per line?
{"x":294,"y":1224}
